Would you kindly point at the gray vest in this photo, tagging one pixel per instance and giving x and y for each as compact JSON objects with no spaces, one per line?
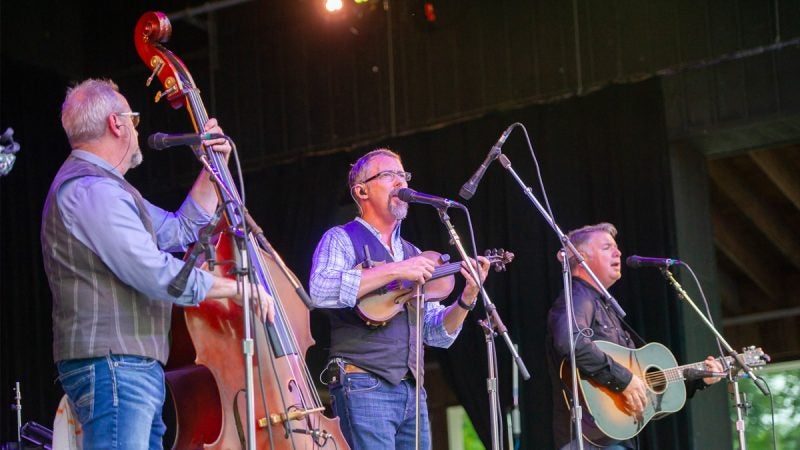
{"x":388,"y":351}
{"x":95,"y":313}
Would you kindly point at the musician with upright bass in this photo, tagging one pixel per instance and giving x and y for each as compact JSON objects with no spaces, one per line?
{"x":106,"y":254}
{"x":372,"y":369}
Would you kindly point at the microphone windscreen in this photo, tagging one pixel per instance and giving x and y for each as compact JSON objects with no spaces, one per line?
{"x":405,"y":194}
{"x":153,"y":141}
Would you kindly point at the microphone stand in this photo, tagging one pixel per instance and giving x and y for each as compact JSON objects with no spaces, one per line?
{"x":732,"y":379}
{"x":235,"y":212}
{"x":577,"y":409}
{"x":491,"y":317}
{"x":565,"y":242}
{"x":18,"y":407}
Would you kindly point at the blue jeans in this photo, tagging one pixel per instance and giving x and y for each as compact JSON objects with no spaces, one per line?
{"x":117,"y":399}
{"x":376,"y":415}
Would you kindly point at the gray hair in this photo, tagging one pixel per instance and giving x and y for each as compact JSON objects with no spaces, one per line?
{"x":359,"y":168}
{"x":358,"y":171}
{"x":581,"y":235}
{"x":86,"y":108}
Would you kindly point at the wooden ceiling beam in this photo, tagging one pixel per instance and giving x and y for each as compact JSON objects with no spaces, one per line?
{"x":781,"y":171}
{"x":770,"y":222}
{"x":728,"y":237}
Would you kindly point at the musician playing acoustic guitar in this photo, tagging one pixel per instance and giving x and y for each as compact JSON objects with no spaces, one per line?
{"x":371,"y":369}
{"x":595,"y":321}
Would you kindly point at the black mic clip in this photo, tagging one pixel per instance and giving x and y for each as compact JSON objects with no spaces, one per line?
{"x":203,"y":245}
{"x":698,"y":374}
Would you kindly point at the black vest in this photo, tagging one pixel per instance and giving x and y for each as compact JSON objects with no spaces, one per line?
{"x":388,"y":351}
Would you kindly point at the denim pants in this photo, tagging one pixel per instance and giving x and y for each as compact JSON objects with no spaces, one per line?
{"x":117,"y":399}
{"x":377,"y":415}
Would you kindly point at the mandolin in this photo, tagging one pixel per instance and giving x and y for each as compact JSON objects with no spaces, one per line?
{"x":378,"y":307}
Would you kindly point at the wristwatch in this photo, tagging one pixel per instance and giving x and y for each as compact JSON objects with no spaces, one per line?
{"x":468,"y":307}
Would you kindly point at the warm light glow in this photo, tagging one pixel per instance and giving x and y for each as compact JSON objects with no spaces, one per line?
{"x":333,"y":5}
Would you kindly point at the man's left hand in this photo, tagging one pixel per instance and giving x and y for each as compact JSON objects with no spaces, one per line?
{"x":218,"y":145}
{"x":712,"y":365}
{"x":471,"y":289}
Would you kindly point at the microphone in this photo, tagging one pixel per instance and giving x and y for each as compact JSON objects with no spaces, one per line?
{"x":411,"y":196}
{"x":160,"y":141}
{"x":634,"y":262}
{"x":178,"y":284}
{"x":469,"y":188}
{"x":697,"y":374}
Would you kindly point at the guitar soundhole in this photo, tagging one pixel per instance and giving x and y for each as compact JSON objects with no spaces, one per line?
{"x":656,"y":380}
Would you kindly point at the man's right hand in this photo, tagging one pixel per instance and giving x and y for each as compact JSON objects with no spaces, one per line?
{"x":635,"y":395}
{"x":418,"y":269}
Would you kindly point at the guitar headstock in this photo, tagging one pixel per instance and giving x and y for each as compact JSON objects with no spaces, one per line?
{"x":754,"y":357}
{"x":498,"y":258}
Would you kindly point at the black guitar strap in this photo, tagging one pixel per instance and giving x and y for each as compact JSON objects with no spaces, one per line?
{"x":632,"y":332}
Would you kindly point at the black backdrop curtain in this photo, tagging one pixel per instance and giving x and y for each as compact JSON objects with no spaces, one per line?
{"x":603,"y":158}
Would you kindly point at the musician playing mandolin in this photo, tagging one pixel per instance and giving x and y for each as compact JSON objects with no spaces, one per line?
{"x":105,"y":251}
{"x":371,"y":372}
{"x":596,"y":321}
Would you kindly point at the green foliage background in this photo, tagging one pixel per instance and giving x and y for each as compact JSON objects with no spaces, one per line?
{"x":785,"y":388}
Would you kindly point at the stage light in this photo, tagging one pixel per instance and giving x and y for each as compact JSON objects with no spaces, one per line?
{"x":333,"y":6}
{"x":430,"y":12}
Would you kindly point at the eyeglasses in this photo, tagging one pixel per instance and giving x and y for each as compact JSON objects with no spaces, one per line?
{"x":133,"y":115}
{"x":388,"y":175}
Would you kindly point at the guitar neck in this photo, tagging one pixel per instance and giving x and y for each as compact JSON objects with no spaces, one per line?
{"x":676,"y":373}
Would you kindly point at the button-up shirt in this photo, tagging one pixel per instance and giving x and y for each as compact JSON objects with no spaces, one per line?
{"x":103,"y":216}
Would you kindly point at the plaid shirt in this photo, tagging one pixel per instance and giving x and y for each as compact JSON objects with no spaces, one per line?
{"x":335,"y":280}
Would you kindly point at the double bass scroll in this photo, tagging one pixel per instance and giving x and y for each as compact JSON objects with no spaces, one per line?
{"x":206,"y":372}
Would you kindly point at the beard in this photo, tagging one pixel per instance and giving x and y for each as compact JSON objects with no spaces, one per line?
{"x":136,"y":158}
{"x":398,"y":209}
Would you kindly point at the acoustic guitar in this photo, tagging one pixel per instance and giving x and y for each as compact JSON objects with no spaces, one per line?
{"x":381,"y":305}
{"x":605,"y":418}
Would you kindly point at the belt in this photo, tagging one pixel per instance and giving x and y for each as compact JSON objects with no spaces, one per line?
{"x":352,"y":368}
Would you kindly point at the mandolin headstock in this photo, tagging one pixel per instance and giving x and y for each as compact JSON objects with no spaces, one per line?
{"x":498,"y":258}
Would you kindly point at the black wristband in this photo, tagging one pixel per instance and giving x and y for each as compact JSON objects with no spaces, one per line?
{"x":469,"y":307}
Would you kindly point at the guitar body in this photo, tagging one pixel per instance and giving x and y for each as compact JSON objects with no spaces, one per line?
{"x":605,"y":419}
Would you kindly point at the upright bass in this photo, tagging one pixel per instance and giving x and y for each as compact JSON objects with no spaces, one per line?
{"x":207,"y":371}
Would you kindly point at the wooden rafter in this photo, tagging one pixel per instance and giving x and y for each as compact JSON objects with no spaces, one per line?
{"x":728,"y":236}
{"x":780,"y":171}
{"x":769,"y":221}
